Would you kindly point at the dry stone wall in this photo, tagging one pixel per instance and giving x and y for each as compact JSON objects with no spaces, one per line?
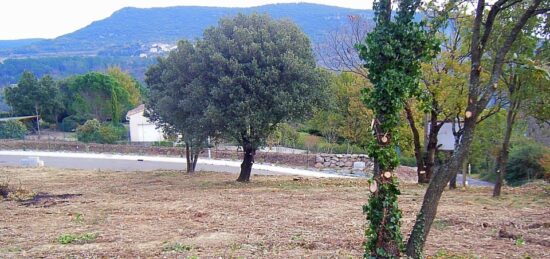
{"x":354,"y":162}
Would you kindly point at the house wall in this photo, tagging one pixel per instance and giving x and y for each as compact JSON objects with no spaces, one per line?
{"x":142,"y":130}
{"x":445,"y":137}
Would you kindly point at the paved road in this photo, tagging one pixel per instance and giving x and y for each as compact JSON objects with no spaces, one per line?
{"x":143,"y":163}
{"x":473,"y":182}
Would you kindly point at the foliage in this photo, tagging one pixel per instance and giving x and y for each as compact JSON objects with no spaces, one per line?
{"x":34,"y":97}
{"x":178,"y":98}
{"x":393,"y":53}
{"x":177,"y":247}
{"x":66,"y":239}
{"x":94,"y":131}
{"x":12,"y":129}
{"x":63,"y":66}
{"x":259,"y":72}
{"x":345,"y":118}
{"x":99,"y":96}
{"x":525,"y":163}
{"x":263,"y":73}
{"x":70,"y":123}
{"x":128,"y":83}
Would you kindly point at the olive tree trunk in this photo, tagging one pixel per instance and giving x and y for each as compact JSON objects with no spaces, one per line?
{"x":248,"y":161}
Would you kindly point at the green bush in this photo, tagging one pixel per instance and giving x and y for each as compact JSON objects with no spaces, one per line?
{"x":94,"y":131}
{"x":526,"y":163}
{"x":407,"y":161}
{"x":69,"y":124}
{"x":12,"y":129}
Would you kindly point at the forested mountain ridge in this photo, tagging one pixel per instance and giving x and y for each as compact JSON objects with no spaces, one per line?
{"x":129,"y":31}
{"x":131,"y":38}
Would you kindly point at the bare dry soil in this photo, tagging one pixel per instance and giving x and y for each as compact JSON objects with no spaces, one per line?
{"x":70,"y":213}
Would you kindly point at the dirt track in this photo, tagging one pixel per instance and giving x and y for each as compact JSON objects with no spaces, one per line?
{"x":167,"y":214}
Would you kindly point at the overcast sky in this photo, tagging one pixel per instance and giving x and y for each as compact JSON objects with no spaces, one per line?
{"x":51,"y":18}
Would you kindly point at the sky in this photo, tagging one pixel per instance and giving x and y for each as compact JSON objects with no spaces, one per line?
{"x":20,"y":19}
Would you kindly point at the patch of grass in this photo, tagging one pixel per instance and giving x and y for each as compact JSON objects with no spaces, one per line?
{"x":66,"y":239}
{"x":297,"y":237}
{"x":11,"y":250}
{"x":520,"y":241}
{"x":78,"y":218}
{"x":235,"y":246}
{"x":441,"y":224}
{"x":444,"y":254}
{"x":177,"y":247}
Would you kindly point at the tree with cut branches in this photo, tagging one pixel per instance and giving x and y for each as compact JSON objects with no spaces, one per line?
{"x":393,"y":53}
{"x":480,"y":92}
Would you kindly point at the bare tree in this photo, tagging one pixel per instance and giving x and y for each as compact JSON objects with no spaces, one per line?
{"x":338,"y":52}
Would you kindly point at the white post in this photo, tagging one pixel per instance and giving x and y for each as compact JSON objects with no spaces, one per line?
{"x":209,"y":151}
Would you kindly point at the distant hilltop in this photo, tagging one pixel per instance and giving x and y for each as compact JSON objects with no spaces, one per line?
{"x":133,"y":31}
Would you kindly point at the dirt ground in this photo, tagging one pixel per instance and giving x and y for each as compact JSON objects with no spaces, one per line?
{"x":170,"y":215}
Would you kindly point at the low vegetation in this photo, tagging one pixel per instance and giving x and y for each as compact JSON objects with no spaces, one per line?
{"x":167,"y":214}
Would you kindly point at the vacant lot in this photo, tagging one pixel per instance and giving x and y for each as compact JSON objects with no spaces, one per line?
{"x":168,"y":214}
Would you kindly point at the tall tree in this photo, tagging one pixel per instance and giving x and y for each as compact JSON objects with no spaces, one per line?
{"x":34,"y":97}
{"x":393,"y":53}
{"x":178,"y":98}
{"x":526,"y":78}
{"x":479,"y":94}
{"x":99,"y":96}
{"x":260,"y":72}
{"x":131,"y":85}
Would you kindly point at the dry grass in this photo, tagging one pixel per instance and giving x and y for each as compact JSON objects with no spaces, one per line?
{"x":167,"y":214}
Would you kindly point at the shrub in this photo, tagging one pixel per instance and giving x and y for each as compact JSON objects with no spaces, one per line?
{"x":12,"y":129}
{"x":407,"y":161}
{"x":89,"y":132}
{"x":94,"y":131}
{"x":69,"y":124}
{"x":526,"y":162}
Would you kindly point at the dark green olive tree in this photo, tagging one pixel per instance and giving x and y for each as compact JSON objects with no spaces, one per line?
{"x":260,"y":72}
{"x":179,"y":97}
{"x":392,"y":53}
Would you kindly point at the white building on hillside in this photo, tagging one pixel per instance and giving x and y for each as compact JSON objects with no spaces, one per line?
{"x":141,"y":129}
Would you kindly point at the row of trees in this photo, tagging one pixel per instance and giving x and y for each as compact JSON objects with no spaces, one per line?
{"x":250,"y":73}
{"x":71,"y":101}
{"x":491,"y":36}
{"x":241,"y":80}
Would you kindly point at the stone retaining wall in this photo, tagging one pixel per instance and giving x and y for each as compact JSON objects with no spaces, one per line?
{"x":319,"y":161}
{"x":343,"y":162}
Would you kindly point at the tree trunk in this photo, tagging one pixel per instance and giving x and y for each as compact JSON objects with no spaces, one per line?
{"x":465,"y":173}
{"x":478,"y":97}
{"x":188,"y":159}
{"x":420,"y":168}
{"x":195,"y":159}
{"x":502,"y":159}
{"x":248,"y":161}
{"x":431,"y":147}
{"x":426,"y":216}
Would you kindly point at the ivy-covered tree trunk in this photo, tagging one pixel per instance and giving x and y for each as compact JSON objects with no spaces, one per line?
{"x":392,"y":55}
{"x":384,"y":239}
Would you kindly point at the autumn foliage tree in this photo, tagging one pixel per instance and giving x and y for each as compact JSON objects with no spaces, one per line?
{"x":480,"y":92}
